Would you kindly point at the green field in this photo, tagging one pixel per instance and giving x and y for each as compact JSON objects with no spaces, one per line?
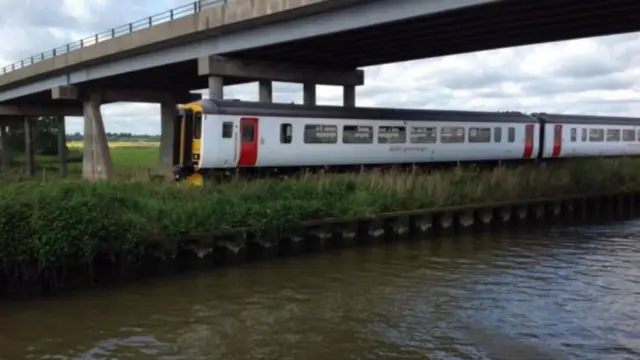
{"x":135,"y":156}
{"x":127,"y":154}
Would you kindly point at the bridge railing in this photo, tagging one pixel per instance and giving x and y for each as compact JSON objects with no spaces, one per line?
{"x":141,"y":24}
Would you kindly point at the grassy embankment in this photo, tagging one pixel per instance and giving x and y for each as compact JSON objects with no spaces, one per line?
{"x":67,"y":222}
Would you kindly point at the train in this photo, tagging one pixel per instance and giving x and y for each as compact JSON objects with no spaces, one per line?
{"x":231,"y":137}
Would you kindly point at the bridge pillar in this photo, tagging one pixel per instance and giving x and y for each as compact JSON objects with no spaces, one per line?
{"x":62,"y":147}
{"x":168,"y":134}
{"x":96,"y":160}
{"x":5,"y":157}
{"x":219,"y":67}
{"x":266,"y":91}
{"x":309,"y":94}
{"x":97,"y":163}
{"x":216,"y":87}
{"x":29,"y":151}
{"x":349,"y":96}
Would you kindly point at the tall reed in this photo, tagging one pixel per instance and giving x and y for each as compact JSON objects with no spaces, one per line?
{"x":67,"y":222}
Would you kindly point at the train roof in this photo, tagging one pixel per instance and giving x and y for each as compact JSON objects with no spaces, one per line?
{"x":235,"y":107}
{"x":587,"y":119}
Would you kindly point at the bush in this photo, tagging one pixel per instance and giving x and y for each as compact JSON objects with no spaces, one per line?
{"x":67,"y":222}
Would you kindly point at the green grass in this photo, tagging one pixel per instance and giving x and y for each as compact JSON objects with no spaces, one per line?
{"x":67,"y":222}
{"x":135,"y":156}
{"x":129,"y":162}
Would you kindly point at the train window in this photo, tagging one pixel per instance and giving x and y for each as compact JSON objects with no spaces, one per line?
{"x":574,"y":134}
{"x":511,"y":134}
{"x":423,"y":135}
{"x":638,"y":135}
{"x":497,"y":134}
{"x":596,"y":135}
{"x":320,"y":134}
{"x":392,"y":134}
{"x":352,"y":134}
{"x":628,"y":135}
{"x":613,"y":135}
{"x":197,"y":125}
{"x":451,"y":134}
{"x":584,"y":134}
{"x":285,"y":133}
{"x":479,"y":135}
{"x":248,"y":132}
{"x":227,"y":130}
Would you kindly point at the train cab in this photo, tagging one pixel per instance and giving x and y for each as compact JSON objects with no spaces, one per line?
{"x":188,"y":143}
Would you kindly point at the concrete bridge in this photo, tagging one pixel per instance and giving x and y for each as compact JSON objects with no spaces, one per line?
{"x":213,"y":43}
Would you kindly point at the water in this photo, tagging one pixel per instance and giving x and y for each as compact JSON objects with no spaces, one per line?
{"x":573,"y":291}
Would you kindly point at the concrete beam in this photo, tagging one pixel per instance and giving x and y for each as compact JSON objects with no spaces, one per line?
{"x":5,"y":156}
{"x":349,"y":96}
{"x":265,"y":88}
{"x":29,"y":149}
{"x":62,"y":147}
{"x":241,"y":14}
{"x":72,"y":92}
{"x":277,"y":71}
{"x":168,"y":134}
{"x":216,"y":88}
{"x":36,"y":110}
{"x":309,"y":94}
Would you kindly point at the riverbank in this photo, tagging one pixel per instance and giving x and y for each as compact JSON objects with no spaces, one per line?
{"x":47,"y":229}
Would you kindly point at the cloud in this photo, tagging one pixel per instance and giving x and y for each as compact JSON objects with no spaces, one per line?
{"x":587,"y":76}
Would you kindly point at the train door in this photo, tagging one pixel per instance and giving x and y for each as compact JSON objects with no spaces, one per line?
{"x":226,"y":146}
{"x":528,"y":141}
{"x":557,"y":140}
{"x":190,"y":134}
{"x":248,"y":141}
{"x":177,"y":138}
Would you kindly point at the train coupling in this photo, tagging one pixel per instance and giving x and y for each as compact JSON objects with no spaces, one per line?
{"x":182,"y":172}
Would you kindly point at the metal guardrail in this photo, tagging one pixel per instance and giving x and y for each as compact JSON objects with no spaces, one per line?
{"x":113,"y":33}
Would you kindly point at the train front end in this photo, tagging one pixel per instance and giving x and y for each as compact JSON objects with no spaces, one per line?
{"x":187,"y":156}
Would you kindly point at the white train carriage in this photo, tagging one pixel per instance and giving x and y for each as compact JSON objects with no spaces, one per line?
{"x":234,"y":134}
{"x":583,"y":135}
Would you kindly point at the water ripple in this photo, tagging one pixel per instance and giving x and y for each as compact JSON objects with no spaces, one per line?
{"x":573,"y":290}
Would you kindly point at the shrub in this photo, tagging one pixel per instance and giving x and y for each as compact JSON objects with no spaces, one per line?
{"x":67,"y":222}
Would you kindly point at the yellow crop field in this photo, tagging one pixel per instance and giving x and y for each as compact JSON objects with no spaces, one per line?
{"x":128,"y":153}
{"x":119,"y":144}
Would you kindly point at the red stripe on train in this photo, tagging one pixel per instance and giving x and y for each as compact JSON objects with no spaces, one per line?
{"x":557,"y":141}
{"x":528,"y":141}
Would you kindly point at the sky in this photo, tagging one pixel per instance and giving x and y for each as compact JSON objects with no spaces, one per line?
{"x":599,"y":76}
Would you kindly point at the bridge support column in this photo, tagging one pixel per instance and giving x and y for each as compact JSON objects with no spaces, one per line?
{"x":30,"y":161}
{"x":309,"y":94}
{"x":349,"y":96}
{"x":218,"y":67}
{"x":5,"y":157}
{"x":266,"y":91}
{"x":168,"y":134}
{"x":96,"y":160}
{"x":216,"y":87}
{"x":62,"y":147}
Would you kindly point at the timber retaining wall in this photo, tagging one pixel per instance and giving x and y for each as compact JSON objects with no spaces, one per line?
{"x":163,"y":257}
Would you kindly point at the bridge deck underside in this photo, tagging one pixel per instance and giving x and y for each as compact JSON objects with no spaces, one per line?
{"x":178,"y":78}
{"x":498,"y":25}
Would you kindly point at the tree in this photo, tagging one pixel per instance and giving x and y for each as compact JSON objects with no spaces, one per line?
{"x":45,"y":136}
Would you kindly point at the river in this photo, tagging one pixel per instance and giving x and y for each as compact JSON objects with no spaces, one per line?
{"x":575,"y":291}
